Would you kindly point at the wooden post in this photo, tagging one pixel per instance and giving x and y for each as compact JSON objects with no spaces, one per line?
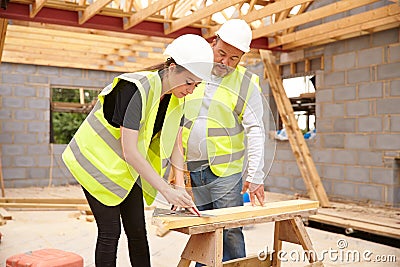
{"x":205,"y":248}
{"x":300,"y":149}
{"x":293,"y":231}
{"x":3,"y":194}
{"x":3,"y":30}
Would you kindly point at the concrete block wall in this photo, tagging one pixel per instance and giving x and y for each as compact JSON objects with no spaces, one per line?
{"x":28,"y":158}
{"x":357,"y":149}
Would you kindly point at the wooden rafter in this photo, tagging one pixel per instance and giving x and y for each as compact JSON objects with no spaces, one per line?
{"x":147,"y":12}
{"x":128,"y":5}
{"x":273,"y":8}
{"x":251,"y":5}
{"x":182,"y":7}
{"x":301,"y":10}
{"x":332,"y":30}
{"x":170,"y":11}
{"x":264,"y":12}
{"x":312,"y":15}
{"x":200,"y":14}
{"x":144,"y":43}
{"x":92,"y":10}
{"x":36,"y":7}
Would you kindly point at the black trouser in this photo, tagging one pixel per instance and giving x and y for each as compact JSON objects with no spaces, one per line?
{"x":108,"y":222}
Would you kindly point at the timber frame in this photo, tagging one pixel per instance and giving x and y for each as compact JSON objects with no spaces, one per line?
{"x":118,"y":35}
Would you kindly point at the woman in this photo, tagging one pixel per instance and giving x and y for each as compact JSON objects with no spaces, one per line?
{"x":121,"y":140}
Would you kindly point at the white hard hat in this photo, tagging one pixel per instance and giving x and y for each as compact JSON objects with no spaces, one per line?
{"x":193,"y":53}
{"x":237,"y":33}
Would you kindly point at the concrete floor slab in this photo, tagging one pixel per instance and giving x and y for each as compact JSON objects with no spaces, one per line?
{"x":68,"y":230}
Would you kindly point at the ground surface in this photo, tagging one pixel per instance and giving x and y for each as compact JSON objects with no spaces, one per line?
{"x":68,"y":230}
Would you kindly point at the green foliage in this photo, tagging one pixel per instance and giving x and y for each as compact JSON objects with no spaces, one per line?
{"x":65,"y":95}
{"x":65,"y":125}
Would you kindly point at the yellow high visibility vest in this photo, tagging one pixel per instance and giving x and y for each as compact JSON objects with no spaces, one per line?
{"x":94,"y":155}
{"x":225,"y":133}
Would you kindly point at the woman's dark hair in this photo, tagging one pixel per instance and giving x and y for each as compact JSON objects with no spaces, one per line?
{"x":165,"y":65}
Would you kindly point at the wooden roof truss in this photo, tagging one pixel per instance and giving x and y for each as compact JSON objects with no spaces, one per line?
{"x":126,"y":35}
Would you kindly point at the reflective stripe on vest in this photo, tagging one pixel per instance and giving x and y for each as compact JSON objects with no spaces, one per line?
{"x":225,"y":134}
{"x":95,"y":157}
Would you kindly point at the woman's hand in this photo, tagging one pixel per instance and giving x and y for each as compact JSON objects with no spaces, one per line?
{"x":178,"y":197}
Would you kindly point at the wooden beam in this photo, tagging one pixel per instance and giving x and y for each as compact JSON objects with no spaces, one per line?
{"x":299,"y":147}
{"x":44,"y":200}
{"x":262,"y":13}
{"x":109,"y":19}
{"x":205,"y":248}
{"x":355,"y":31}
{"x":36,"y":7}
{"x":43,"y":206}
{"x":170,"y":11}
{"x":128,"y":5}
{"x":301,"y":10}
{"x":92,"y":10}
{"x":236,"y":213}
{"x":196,"y":229}
{"x":309,"y":16}
{"x":182,"y":7}
{"x":3,"y":31}
{"x":355,"y":23}
{"x":143,"y":14}
{"x":199,"y":14}
{"x":273,"y":8}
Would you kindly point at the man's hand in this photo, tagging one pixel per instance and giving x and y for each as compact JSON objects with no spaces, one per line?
{"x":256,"y":190}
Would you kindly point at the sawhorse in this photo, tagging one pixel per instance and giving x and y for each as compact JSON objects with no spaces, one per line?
{"x":205,"y":244}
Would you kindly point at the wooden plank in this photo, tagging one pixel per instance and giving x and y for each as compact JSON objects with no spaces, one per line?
{"x":249,"y":261}
{"x":143,"y":14}
{"x":92,"y":10}
{"x":45,"y":200}
{"x":236,"y":213}
{"x":199,"y":14}
{"x":383,"y":217}
{"x":42,"y":206}
{"x":357,"y":225}
{"x":5,"y":215}
{"x":300,"y":149}
{"x":196,"y":229}
{"x":319,"y":13}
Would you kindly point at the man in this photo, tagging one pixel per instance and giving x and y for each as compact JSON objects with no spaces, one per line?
{"x":217,"y":117}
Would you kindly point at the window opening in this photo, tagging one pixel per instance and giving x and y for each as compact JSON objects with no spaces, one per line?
{"x":301,"y":93}
{"x":68,"y":109}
